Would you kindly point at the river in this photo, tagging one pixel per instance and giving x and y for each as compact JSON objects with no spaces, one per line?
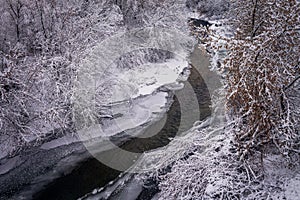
{"x":91,"y":173}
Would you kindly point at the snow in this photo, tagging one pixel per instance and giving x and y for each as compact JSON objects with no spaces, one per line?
{"x":149,"y":77}
{"x":9,"y":164}
{"x":279,"y":175}
{"x":292,"y":188}
{"x":127,"y":186}
{"x":137,"y":113}
{"x":132,"y":114}
{"x":131,"y":191}
{"x":134,"y":74}
{"x":140,"y":112}
{"x":105,"y":193}
{"x":6,"y":147}
{"x":68,"y":139}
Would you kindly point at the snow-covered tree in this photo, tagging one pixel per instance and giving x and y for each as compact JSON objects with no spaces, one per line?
{"x":263,"y":61}
{"x":40,"y":42}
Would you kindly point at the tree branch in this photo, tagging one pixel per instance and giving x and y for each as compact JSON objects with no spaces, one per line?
{"x":292,"y":83}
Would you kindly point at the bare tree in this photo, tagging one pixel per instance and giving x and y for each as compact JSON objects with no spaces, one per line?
{"x":15,"y":9}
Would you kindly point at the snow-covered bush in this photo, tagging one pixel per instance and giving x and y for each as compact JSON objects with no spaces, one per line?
{"x":212,"y":170}
{"x":263,"y":61}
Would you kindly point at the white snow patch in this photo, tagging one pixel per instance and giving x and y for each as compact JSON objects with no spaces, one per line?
{"x":133,"y":114}
{"x":68,"y":139}
{"x":139,"y":112}
{"x":151,"y":76}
